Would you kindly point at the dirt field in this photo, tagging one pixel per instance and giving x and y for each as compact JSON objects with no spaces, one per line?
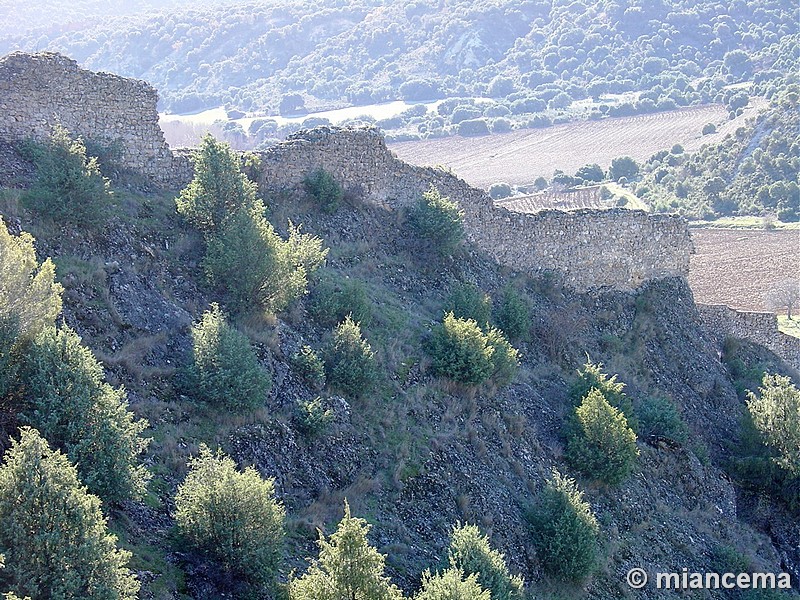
{"x":518,"y":157}
{"x":736,"y":267}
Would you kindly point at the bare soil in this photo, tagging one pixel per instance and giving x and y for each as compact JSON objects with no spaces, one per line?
{"x":519,"y":157}
{"x":736,"y":267}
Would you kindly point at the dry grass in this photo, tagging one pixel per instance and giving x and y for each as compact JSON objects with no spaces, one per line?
{"x":736,"y":267}
{"x":518,"y":157}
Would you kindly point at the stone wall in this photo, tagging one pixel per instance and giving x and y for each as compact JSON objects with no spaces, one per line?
{"x":617,"y":248}
{"x":40,"y":90}
{"x":721,"y":321}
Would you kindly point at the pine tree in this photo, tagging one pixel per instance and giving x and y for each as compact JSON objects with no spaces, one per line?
{"x":452,"y":585}
{"x":66,"y":398}
{"x":601,"y":444}
{"x":349,"y":359}
{"x":347,"y":568}
{"x":471,"y":553}
{"x":565,"y":530}
{"x":775,"y":412}
{"x":439,"y":221}
{"x":232,"y":516}
{"x":52,"y":531}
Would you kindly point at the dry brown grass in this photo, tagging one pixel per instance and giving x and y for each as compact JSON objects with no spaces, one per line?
{"x":736,"y":267}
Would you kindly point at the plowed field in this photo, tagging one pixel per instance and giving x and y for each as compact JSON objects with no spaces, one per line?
{"x":736,"y":267}
{"x":519,"y":157}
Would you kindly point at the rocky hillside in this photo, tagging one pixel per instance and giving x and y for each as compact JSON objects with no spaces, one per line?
{"x":416,"y":453}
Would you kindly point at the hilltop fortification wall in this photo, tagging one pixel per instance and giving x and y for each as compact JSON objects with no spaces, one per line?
{"x":721,"y":321}
{"x":40,"y":90}
{"x":618,"y":248}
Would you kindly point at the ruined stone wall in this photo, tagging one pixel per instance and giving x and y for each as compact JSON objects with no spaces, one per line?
{"x":618,"y":248}
{"x":40,"y":90}
{"x":721,"y":321}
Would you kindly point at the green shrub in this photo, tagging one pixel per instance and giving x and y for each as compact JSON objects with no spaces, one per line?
{"x":218,"y":190}
{"x":467,"y":301}
{"x":461,"y":351}
{"x":349,"y":360}
{"x":52,"y":531}
{"x":658,"y":417}
{"x":309,"y":366}
{"x":592,"y":377}
{"x":775,"y":412}
{"x":324,"y":189}
{"x":513,"y":315}
{"x":29,"y":295}
{"x":601,"y":444}
{"x":335,"y":297}
{"x":255,"y":268}
{"x":451,"y":585}
{"x":565,"y":531}
{"x":68,"y":186}
{"x":312,"y":416}
{"x":438,"y":221}
{"x":470,"y":553}
{"x":67,"y":400}
{"x":224,"y":370}
{"x":231,"y":516}
{"x":347,"y":567}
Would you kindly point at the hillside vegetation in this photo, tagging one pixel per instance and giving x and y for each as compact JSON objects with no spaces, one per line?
{"x":373,"y":393}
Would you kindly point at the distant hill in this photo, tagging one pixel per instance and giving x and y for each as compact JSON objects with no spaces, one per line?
{"x":531,"y":54}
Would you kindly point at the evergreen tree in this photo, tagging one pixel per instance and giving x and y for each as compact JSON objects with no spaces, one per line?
{"x":590,"y":377}
{"x":439,"y":221}
{"x":29,"y":295}
{"x":470,"y":553}
{"x":52,"y":531}
{"x":775,"y":412}
{"x":349,"y":359}
{"x":452,"y":585}
{"x":232,"y":516}
{"x":513,"y":315}
{"x":601,"y":444}
{"x":218,"y":190}
{"x":348,"y":567}
{"x":565,"y":530}
{"x":67,"y":400}
{"x":224,"y":370}
{"x":68,"y":184}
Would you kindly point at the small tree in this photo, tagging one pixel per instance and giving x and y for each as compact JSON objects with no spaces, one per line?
{"x":324,"y":189}
{"x":68,"y":185}
{"x":470,"y":553}
{"x":460,"y":350}
{"x":52,"y":531}
{"x":231,"y":516}
{"x":348,"y":567}
{"x":439,"y":221}
{"x":452,"y":585}
{"x":513,"y":315}
{"x":67,"y":400}
{"x":565,"y":530}
{"x":601,"y":445}
{"x":775,"y":412}
{"x":590,"y":377}
{"x":218,"y":189}
{"x":29,"y":295}
{"x":660,"y":418}
{"x":784,"y":294}
{"x":349,"y":360}
{"x":468,"y":301}
{"x":623,"y":166}
{"x":224,"y":370}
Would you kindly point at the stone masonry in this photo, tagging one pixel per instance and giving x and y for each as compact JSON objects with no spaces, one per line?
{"x":721,"y":321}
{"x":40,"y":90}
